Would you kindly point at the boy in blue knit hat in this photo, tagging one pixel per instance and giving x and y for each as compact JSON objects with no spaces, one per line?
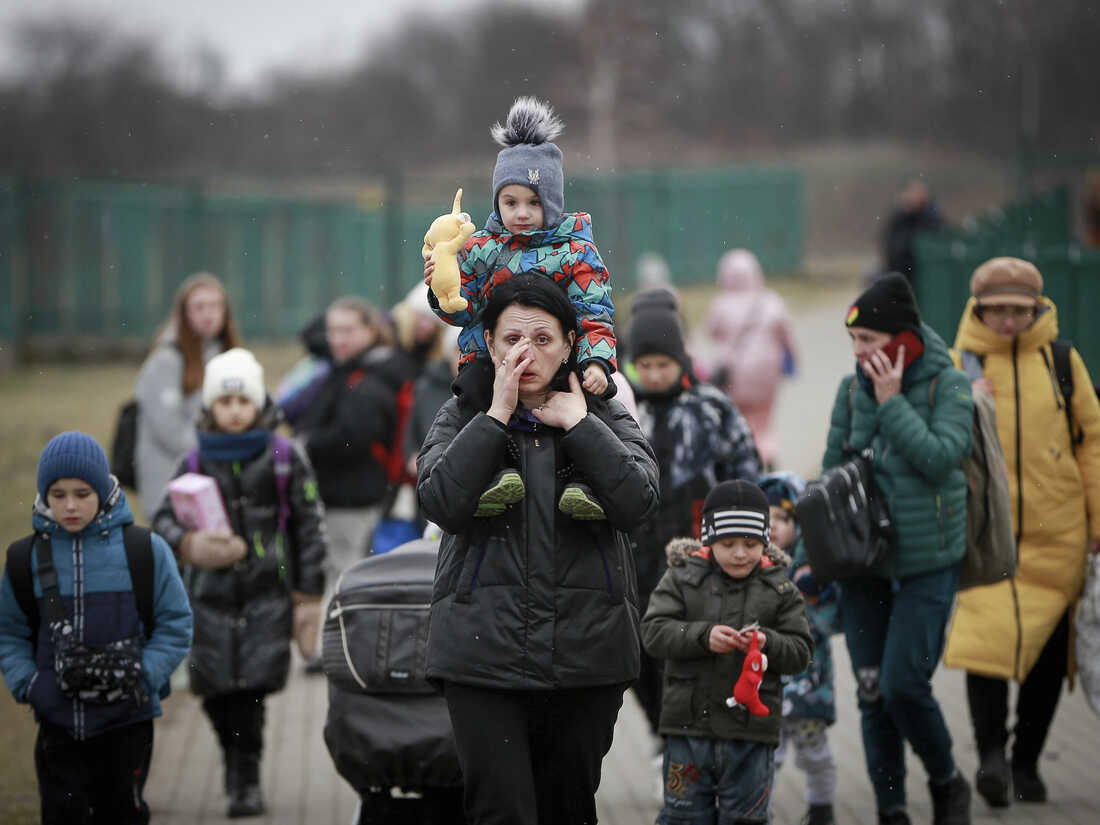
{"x":73,"y":643}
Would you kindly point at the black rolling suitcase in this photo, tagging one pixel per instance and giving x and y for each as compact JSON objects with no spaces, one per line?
{"x":388,"y":730}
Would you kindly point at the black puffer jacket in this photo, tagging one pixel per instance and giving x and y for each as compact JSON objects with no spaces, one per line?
{"x":243,"y":614}
{"x":354,"y":413}
{"x":533,"y":599}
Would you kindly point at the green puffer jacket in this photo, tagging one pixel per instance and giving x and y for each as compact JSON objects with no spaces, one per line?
{"x":918,"y":449}
{"x":692,"y":597}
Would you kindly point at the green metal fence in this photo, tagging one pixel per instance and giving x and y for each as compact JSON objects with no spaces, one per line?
{"x":1036,"y":229}
{"x":103,"y":259}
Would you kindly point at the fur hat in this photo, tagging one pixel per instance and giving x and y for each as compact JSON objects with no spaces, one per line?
{"x":887,"y":305}
{"x":529,"y":158}
{"x":1007,"y":281}
{"x":677,"y":551}
{"x":234,"y":372}
{"x":74,"y":455}
{"x":735,"y":508}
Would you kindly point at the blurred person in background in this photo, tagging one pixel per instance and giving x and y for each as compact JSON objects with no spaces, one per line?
{"x":418,"y":332}
{"x":749,"y":331}
{"x":1020,"y":629}
{"x":349,"y":425}
{"x":915,"y":214}
{"x":169,"y":386}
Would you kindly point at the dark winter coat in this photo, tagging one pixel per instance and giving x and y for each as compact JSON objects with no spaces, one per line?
{"x":918,"y":451}
{"x":243,"y":613}
{"x":352,"y":417}
{"x":694,"y":596}
{"x":533,"y":599}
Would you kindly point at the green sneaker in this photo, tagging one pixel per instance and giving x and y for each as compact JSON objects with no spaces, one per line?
{"x":507,"y":488}
{"x":579,"y":502}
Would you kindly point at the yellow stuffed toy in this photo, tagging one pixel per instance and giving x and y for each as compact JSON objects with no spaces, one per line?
{"x":446,"y":236}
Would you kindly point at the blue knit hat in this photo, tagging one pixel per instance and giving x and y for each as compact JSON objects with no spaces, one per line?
{"x":75,"y":455}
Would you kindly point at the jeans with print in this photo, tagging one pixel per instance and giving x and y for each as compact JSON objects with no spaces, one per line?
{"x":717,"y":781}
{"x":895,"y":635}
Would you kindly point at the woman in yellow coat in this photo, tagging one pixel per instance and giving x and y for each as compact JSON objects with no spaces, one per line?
{"x":1019,"y":629}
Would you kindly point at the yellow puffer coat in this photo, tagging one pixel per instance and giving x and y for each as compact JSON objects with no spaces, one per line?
{"x":1001,"y":629}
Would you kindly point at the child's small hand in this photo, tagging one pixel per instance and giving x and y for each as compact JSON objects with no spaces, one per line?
{"x":744,"y":639}
{"x":429,"y":268}
{"x":722,"y":639}
{"x":595,"y":379}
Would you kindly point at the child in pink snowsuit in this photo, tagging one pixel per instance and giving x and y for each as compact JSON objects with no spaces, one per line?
{"x":749,"y":329}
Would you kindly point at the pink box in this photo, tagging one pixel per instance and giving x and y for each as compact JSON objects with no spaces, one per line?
{"x":198,"y":503}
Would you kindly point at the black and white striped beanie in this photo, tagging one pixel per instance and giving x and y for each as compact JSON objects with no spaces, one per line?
{"x":735,"y":508}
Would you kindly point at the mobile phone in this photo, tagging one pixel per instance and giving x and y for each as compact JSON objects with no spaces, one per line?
{"x":914,"y":347}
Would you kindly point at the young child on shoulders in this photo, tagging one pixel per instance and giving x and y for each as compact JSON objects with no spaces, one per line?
{"x":253,"y":587}
{"x":74,"y":640}
{"x":528,"y":231}
{"x":702,"y":619}
{"x":809,"y":706}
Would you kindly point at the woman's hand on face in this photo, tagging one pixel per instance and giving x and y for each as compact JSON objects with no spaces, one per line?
{"x":506,"y":383}
{"x":885,"y":376}
{"x":563,"y":409}
{"x":429,"y":268}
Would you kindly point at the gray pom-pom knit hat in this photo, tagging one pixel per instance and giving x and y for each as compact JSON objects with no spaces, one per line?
{"x":528,"y":157}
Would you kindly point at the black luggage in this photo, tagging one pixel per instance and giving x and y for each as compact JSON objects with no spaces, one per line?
{"x":387,"y":727}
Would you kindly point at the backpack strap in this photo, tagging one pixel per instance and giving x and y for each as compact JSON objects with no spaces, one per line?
{"x":47,"y":578}
{"x":18,"y":568}
{"x":281,"y":450}
{"x":139,"y":558}
{"x":1063,"y":371}
{"x":193,"y":460}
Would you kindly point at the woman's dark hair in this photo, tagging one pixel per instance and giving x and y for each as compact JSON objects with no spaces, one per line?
{"x":535,"y":291}
{"x":474,"y":385}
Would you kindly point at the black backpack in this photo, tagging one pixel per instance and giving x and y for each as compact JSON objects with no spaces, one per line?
{"x":124,"y":445}
{"x":139,"y":558}
{"x":845,"y":521}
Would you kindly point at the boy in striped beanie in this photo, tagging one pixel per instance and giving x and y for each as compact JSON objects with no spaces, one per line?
{"x":726,"y":600}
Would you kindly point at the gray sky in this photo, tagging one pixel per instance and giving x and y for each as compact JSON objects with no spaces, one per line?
{"x":252,"y":36}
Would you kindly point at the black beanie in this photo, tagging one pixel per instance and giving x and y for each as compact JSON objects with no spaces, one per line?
{"x":887,"y":305}
{"x":735,"y":508}
{"x":655,"y":329}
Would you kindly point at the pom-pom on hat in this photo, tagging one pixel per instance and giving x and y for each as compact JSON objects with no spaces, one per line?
{"x":528,"y":157}
{"x":735,"y":508}
{"x":887,"y":305}
{"x":75,"y":455}
{"x":1007,"y":281}
{"x":234,"y":372}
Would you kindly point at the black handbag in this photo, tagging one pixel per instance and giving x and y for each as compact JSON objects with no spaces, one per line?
{"x":845,"y":522}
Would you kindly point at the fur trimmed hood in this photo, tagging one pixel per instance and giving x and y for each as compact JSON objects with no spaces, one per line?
{"x":678,"y":550}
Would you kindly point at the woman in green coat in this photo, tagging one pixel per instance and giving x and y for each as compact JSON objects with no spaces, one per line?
{"x":910,"y":405}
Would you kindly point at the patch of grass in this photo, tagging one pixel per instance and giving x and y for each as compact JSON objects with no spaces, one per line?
{"x":39,"y":402}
